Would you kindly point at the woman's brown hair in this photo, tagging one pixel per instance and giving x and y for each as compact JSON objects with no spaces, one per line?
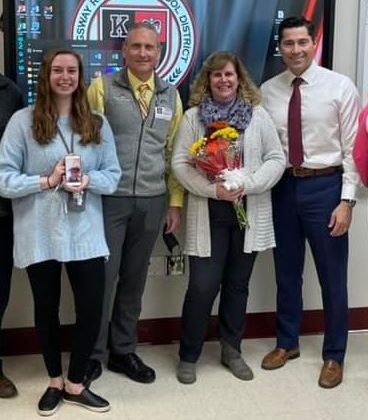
{"x":200,"y":88}
{"x":45,"y":114}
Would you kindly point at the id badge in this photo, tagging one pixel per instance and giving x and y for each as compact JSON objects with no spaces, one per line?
{"x":163,"y":113}
{"x":76,"y":201}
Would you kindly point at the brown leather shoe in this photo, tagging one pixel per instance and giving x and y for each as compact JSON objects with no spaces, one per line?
{"x":331,"y":374}
{"x":7,"y":388}
{"x":278,"y":357}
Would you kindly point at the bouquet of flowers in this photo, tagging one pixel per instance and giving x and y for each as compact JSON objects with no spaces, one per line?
{"x":217,"y":155}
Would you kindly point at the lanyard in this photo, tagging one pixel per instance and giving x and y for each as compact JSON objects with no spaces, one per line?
{"x":68,"y":149}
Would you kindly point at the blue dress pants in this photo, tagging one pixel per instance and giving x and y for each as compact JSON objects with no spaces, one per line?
{"x":302,"y":209}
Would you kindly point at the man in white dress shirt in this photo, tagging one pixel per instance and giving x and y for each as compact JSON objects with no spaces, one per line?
{"x":314,"y":199}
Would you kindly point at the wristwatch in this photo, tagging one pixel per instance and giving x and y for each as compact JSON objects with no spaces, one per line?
{"x":350,"y":202}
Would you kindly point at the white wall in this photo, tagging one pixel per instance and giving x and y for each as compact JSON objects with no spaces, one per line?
{"x":163,"y":296}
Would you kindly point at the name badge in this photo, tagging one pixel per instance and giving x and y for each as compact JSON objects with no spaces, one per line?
{"x":163,"y":113}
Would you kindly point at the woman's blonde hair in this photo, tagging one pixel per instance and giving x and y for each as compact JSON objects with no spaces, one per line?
{"x":200,"y":88}
{"x":45,"y":114}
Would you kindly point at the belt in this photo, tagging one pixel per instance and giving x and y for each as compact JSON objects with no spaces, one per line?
{"x":304,"y":172}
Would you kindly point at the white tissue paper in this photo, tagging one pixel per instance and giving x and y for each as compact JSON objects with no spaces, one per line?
{"x":233,"y":179}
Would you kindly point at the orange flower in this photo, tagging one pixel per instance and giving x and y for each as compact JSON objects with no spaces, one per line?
{"x":215,"y":145}
{"x":217,"y":125}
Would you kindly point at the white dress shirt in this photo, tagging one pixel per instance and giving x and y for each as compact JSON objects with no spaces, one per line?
{"x":330,"y":108}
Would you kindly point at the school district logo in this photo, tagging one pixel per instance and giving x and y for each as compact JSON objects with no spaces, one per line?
{"x":108,"y":21}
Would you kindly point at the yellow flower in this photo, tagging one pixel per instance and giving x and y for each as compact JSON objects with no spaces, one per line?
{"x":196,"y":147}
{"x":230,"y":133}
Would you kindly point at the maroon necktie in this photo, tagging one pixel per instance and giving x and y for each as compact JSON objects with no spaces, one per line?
{"x":295,"y":126}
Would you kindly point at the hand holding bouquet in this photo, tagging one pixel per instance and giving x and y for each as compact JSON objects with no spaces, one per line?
{"x":219,"y":156}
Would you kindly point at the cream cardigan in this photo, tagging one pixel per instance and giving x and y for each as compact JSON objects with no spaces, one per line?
{"x":264,"y":165}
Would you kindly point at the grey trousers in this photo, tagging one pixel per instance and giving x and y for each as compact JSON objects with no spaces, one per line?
{"x":132,"y":225}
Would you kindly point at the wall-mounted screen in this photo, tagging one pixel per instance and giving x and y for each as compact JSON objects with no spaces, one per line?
{"x":189,"y":31}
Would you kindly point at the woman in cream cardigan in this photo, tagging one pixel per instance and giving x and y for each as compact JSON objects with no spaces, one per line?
{"x":221,"y":254}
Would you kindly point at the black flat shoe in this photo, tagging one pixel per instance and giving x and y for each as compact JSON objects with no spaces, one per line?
{"x":87,"y":399}
{"x":133,"y":366}
{"x":93,"y":372}
{"x":49,"y":401}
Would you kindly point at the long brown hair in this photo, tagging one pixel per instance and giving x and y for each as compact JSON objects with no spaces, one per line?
{"x":45,"y":114}
{"x":200,"y":88}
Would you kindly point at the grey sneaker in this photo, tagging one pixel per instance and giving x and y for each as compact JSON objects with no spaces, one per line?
{"x":231,"y":358}
{"x":186,"y":372}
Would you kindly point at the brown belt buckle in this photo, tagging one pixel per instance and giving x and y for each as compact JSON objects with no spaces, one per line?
{"x":298,"y":172}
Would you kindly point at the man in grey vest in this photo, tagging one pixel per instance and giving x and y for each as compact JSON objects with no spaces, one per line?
{"x":144,"y":112}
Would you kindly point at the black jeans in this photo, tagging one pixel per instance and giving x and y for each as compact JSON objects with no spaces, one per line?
{"x":228,"y":268}
{"x":6,"y":265}
{"x":87,"y":281}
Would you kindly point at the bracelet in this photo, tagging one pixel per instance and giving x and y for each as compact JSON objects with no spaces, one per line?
{"x":48,"y":182}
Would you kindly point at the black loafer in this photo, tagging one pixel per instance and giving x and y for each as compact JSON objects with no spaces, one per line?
{"x":87,"y":399}
{"x":49,"y":401}
{"x":132,"y":366}
{"x":93,"y":372}
{"x":7,"y":388}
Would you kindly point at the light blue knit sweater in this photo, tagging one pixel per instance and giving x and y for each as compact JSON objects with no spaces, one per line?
{"x":43,"y":229}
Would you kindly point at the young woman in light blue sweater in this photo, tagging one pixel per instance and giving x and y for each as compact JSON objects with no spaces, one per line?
{"x":50,"y":228}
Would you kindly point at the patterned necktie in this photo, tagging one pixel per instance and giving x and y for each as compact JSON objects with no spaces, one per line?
{"x":295,"y":126}
{"x":143,"y":90}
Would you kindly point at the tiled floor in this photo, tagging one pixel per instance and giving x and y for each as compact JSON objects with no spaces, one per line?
{"x":285,"y":394}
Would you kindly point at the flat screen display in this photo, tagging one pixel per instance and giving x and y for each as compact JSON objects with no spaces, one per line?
{"x":189,"y":30}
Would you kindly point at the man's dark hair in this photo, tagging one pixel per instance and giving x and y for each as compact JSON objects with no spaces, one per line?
{"x":296,"y":22}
